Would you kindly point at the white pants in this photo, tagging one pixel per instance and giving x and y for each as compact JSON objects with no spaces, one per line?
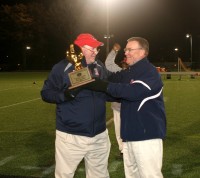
{"x":143,"y":159}
{"x":71,"y":149}
{"x":117,"y":123}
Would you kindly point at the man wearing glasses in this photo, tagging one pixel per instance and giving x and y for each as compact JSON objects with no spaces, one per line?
{"x":143,"y":119}
{"x":80,"y":118}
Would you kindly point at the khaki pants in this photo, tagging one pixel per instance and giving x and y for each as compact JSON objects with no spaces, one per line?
{"x":143,"y":159}
{"x":71,"y":149}
{"x":117,"y":124}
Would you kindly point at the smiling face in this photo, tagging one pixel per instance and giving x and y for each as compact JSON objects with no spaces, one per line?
{"x":89,"y":53}
{"x":134,"y":52}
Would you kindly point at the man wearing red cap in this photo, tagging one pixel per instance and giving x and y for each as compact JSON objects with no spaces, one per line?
{"x":80,"y":116}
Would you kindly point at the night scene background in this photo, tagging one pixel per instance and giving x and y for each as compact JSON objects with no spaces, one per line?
{"x":48,"y":27}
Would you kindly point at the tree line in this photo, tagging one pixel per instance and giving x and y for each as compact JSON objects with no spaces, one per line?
{"x":47,"y":26}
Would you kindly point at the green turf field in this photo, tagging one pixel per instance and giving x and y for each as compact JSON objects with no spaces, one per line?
{"x":27,"y":129}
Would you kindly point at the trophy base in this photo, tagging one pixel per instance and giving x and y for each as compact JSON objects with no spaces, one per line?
{"x":80,"y":84}
{"x":80,"y":77}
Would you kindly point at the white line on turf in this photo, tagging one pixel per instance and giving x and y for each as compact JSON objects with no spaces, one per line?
{"x":3,"y":107}
{"x":114,"y":166}
{"x":49,"y":170}
{"x":13,"y":88}
{"x":4,"y":161}
{"x":31,"y":168}
{"x":109,"y":122}
{"x":80,"y":169}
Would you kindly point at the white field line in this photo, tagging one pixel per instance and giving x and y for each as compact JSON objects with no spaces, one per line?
{"x":19,"y":131}
{"x":80,"y":169}
{"x":30,"y":131}
{"x":49,"y":170}
{"x":45,"y":171}
{"x":109,"y":122}
{"x":114,"y":166}
{"x":11,"y":105}
{"x":31,"y":168}
{"x":13,"y":88}
{"x":4,"y":161}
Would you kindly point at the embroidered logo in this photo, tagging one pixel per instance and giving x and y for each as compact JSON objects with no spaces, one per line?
{"x":96,"y":72}
{"x":132,"y":81}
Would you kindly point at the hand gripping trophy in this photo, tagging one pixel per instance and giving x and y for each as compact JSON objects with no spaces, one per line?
{"x":80,"y":75}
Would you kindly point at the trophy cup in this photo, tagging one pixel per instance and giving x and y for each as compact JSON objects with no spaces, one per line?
{"x":81,"y":75}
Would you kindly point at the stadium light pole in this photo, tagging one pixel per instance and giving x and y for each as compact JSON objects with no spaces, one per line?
{"x":25,"y":55}
{"x":107,"y":36}
{"x":190,"y":37}
{"x":178,"y":64}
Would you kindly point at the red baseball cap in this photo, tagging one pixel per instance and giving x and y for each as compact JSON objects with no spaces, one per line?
{"x":87,"y":39}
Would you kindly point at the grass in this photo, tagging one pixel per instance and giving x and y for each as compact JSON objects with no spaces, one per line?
{"x":181,"y":154}
{"x":27,"y":129}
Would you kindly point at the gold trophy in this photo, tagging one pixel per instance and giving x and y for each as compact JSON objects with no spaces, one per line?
{"x":81,"y":75}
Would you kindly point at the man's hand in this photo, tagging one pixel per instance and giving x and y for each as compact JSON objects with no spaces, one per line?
{"x":71,"y":94}
{"x":116,"y":47}
{"x":97,"y":85}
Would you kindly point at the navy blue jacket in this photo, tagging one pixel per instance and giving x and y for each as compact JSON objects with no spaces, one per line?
{"x":86,"y":114}
{"x":142,"y":110}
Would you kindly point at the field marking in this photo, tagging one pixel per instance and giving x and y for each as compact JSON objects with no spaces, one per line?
{"x":114,"y":166}
{"x":109,"y":122}
{"x":165,"y":99}
{"x":80,"y":169}
{"x":111,"y":168}
{"x":32,"y":131}
{"x":3,"y":107}
{"x":31,"y":168}
{"x":28,"y":86}
{"x":49,"y":170}
{"x":4,"y":161}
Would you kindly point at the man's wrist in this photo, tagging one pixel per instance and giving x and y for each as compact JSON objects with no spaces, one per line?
{"x":115,"y":50}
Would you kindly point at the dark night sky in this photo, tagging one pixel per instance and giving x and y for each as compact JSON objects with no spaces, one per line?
{"x":163,"y":22}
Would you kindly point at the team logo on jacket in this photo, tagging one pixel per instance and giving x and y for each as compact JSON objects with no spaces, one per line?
{"x":96,"y":72}
{"x":132,"y":81}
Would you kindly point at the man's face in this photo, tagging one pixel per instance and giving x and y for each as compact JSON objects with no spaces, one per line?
{"x":133,"y":52}
{"x":89,"y":53}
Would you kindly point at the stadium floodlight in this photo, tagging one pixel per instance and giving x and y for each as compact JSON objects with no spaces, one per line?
{"x":25,"y":56}
{"x":28,"y":47}
{"x":107,"y":36}
{"x":188,"y":35}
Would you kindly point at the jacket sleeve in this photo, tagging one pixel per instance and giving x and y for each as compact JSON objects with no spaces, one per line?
{"x":135,"y":91}
{"x":110,"y":62}
{"x":53,"y":88}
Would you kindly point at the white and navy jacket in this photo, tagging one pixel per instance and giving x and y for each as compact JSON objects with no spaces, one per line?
{"x":86,"y":114}
{"x":142,"y":107}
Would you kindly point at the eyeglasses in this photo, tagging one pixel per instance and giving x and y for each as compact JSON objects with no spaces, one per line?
{"x":129,"y":49}
{"x":95,"y":50}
